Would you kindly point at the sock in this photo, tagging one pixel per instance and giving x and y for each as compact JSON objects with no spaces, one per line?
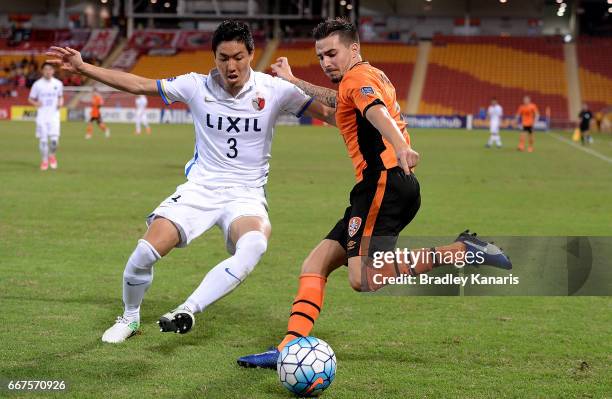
{"x":137,"y":125}
{"x":522,"y":141}
{"x":531,"y":140}
{"x":306,"y":307}
{"x":43,"y":146}
{"x":103,"y":127}
{"x":89,"y":128}
{"x":227,"y":275}
{"x":52,"y":146}
{"x":137,"y":278}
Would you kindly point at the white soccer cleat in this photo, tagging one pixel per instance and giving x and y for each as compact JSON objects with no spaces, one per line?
{"x":120,"y":331}
{"x":179,"y":320}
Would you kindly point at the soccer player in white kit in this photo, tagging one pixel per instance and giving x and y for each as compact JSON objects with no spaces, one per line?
{"x":494,"y":113}
{"x":47,"y":96}
{"x":234,"y":111}
{"x":141,"y":115}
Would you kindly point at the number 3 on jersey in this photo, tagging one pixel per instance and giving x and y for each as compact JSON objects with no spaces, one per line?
{"x":232,"y":142}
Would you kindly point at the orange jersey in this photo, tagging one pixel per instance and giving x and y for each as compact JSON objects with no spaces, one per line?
{"x":362,"y":87}
{"x":96,"y":103}
{"x":528,"y":113}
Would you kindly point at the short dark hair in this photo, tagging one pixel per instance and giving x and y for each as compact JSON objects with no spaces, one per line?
{"x":47,"y":63}
{"x":340,"y":26}
{"x":229,"y":31}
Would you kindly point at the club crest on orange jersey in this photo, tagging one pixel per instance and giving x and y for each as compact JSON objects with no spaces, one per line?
{"x":354,"y":225}
{"x":259,"y":102}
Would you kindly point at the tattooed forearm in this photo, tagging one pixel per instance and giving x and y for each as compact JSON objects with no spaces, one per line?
{"x":322,"y":94}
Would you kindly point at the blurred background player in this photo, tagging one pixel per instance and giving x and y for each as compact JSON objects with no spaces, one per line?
{"x":141,"y":115}
{"x":47,"y":96}
{"x":96,"y":116}
{"x":586,"y":116}
{"x":494,"y":113}
{"x":528,"y":113}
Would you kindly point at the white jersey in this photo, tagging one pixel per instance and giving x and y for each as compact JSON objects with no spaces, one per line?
{"x":233,"y":135}
{"x":141,"y":103}
{"x":48,"y":93}
{"x":495,"y":113}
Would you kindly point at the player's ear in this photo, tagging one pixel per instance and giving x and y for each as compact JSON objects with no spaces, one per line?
{"x":355,"y":49}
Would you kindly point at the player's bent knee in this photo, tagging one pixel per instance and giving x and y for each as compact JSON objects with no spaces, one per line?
{"x":249,"y":250}
{"x":355,"y":282}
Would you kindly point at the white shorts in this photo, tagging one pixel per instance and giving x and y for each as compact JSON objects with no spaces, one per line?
{"x":494,"y":128}
{"x":48,"y":129}
{"x":194,"y":209}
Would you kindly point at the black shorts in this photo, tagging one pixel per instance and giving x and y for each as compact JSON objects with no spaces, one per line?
{"x":97,"y":119}
{"x":528,"y":129}
{"x":382,"y":204}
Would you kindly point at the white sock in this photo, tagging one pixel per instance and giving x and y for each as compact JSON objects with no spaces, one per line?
{"x":498,"y":138}
{"x":43,"y":146}
{"x":137,"y":278}
{"x":227,"y":275}
{"x":137,"y":125}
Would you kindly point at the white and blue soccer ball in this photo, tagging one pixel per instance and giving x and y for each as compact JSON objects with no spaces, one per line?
{"x":306,"y":366}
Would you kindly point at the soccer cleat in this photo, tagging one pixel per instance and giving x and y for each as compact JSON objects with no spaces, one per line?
{"x":264,"y":360}
{"x":179,"y":320}
{"x":44,"y":165}
{"x":120,"y":331}
{"x":88,"y":136}
{"x":480,"y":249}
{"x":148,"y":130}
{"x":52,"y":162}
{"x":530,"y":149}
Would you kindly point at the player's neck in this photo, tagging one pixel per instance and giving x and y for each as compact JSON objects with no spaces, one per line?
{"x":355,"y":61}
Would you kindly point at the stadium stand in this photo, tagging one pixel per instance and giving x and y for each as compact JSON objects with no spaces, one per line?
{"x":22,"y":54}
{"x":465,"y":73}
{"x":595,"y":72}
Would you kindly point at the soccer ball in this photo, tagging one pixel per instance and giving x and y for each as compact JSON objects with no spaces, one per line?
{"x":306,"y":366}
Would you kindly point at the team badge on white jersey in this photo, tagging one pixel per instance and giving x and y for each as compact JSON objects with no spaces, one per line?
{"x":259,"y":102}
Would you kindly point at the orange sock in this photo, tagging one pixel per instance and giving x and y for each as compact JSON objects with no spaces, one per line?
{"x":306,"y":307}
{"x":531,"y":140}
{"x":89,"y":128}
{"x":521,"y":145}
{"x":102,"y":126}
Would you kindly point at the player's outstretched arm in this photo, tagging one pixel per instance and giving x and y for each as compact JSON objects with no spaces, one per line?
{"x":325,"y":96}
{"x":379,"y":117}
{"x":70,"y":60}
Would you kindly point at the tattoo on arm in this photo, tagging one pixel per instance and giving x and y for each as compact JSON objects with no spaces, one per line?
{"x":322,"y":94}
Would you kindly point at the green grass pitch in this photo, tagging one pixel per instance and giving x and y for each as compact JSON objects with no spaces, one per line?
{"x":65,"y":236}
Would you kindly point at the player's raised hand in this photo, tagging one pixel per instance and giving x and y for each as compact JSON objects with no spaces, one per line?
{"x":408,"y":159}
{"x":66,"y":58}
{"x":282,"y":69}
